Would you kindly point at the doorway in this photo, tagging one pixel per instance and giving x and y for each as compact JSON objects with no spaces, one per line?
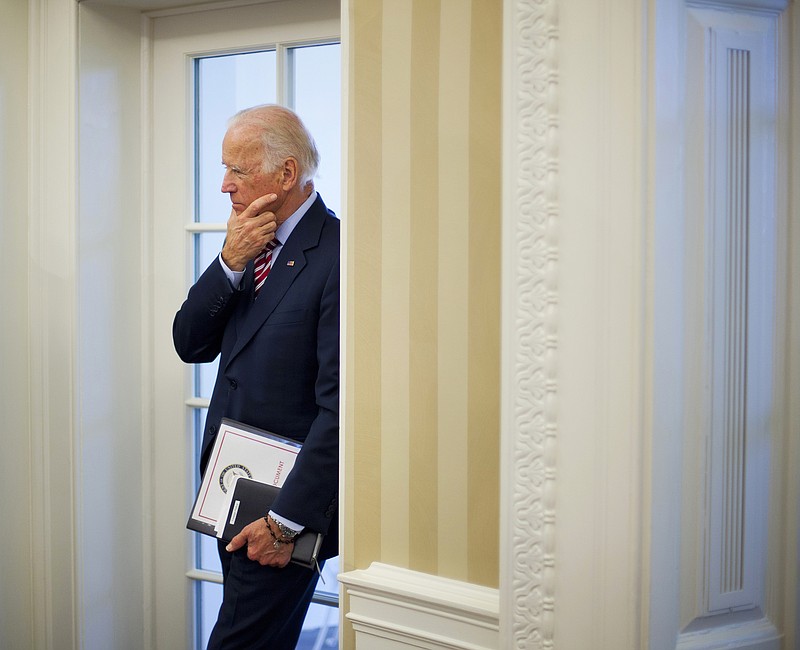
{"x":206,"y":65}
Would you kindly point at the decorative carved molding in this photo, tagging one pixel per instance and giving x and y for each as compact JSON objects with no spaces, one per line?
{"x":530,"y":323}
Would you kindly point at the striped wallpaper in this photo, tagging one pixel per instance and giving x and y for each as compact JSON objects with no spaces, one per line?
{"x":423,"y":286}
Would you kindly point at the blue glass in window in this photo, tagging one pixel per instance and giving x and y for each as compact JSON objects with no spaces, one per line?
{"x":316,"y":97}
{"x":207,"y":599}
{"x":225,"y":85}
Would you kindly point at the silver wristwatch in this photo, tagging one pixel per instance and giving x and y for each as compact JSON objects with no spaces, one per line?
{"x":285,"y":531}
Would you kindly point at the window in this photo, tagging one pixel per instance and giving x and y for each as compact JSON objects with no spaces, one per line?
{"x":306,"y":78}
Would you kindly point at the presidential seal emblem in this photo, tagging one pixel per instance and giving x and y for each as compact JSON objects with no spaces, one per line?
{"x":228,"y":475}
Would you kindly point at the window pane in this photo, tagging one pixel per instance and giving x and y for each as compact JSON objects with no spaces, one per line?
{"x":207,"y":557}
{"x":207,"y":598}
{"x":205,"y":374}
{"x":207,"y":246}
{"x":328,"y":583}
{"x":320,"y":629}
{"x":316,"y":97}
{"x":198,"y":422}
{"x":205,"y":550}
{"x":225,"y":85}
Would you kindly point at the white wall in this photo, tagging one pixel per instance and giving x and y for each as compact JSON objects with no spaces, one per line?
{"x":112,"y":430}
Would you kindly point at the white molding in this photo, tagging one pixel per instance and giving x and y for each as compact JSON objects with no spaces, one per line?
{"x":194,"y":6}
{"x":52,"y":200}
{"x":406,"y":608}
{"x":146,"y":300}
{"x":760,"y":6}
{"x":529,"y":316}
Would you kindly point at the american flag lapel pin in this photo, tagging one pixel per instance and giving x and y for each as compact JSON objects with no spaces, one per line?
{"x":290,"y":263}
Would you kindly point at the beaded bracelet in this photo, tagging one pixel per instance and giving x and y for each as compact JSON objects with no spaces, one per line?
{"x":277,"y":542}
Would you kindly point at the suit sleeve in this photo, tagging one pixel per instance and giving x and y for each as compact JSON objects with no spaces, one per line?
{"x":199,"y":325}
{"x":309,"y":495}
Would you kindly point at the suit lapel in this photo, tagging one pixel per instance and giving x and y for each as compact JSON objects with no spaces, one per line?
{"x":288,"y":266}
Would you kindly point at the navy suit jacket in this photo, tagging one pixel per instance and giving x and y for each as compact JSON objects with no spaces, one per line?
{"x":279,"y":361}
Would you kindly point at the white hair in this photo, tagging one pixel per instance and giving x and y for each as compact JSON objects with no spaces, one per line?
{"x":283,"y":135}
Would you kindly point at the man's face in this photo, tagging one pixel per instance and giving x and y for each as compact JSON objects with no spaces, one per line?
{"x":244,"y":178}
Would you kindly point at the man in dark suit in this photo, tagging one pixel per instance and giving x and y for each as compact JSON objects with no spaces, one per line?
{"x":279,"y":366}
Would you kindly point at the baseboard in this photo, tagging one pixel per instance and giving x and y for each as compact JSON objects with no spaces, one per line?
{"x":758,"y":634}
{"x":392,"y":608}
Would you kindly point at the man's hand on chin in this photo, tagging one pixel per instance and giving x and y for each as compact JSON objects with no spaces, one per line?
{"x":248,"y":232}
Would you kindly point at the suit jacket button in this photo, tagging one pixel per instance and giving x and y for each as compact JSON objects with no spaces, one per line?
{"x":234,"y":385}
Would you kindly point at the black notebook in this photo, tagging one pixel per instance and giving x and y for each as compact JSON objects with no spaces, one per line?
{"x":251,"y":500}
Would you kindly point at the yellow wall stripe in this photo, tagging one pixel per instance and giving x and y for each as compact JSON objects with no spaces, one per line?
{"x":454,"y":263}
{"x":484,"y":281}
{"x":396,"y":262}
{"x":424,"y":378}
{"x":362,"y":543}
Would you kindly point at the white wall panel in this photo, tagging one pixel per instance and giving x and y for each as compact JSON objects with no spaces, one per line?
{"x":16,"y":563}
{"x":732,"y":194}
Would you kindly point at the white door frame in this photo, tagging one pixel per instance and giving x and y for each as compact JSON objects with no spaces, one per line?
{"x":176,"y":38}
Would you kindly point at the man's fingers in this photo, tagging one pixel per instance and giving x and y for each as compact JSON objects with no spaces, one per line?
{"x":236,"y":543}
{"x":259,"y":205}
{"x":259,"y":548}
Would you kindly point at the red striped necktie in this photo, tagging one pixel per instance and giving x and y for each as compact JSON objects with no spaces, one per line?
{"x":263,"y":263}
